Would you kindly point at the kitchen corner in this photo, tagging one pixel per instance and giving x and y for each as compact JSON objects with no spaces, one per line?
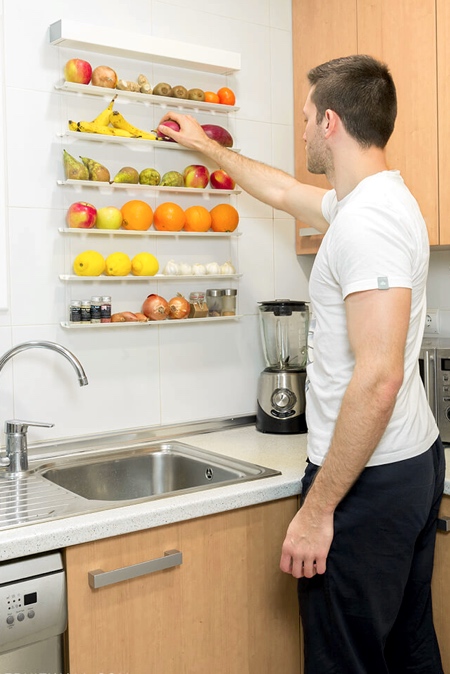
{"x":286,"y":453}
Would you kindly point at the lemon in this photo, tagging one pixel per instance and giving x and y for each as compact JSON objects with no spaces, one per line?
{"x":144,"y":264}
{"x":118,"y":264}
{"x":89,"y":263}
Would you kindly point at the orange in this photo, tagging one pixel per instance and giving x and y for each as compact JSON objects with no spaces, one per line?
{"x":226,"y":96}
{"x":198,"y":219}
{"x":136,"y":215}
{"x":169,"y":217}
{"x":211,"y":97}
{"x":224,"y":218}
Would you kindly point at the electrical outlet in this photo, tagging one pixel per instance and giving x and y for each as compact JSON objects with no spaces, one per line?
{"x":432,"y":322}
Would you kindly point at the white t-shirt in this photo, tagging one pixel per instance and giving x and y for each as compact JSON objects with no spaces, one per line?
{"x":377,"y":238}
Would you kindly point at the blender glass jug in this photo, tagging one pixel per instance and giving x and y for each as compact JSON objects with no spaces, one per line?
{"x":284,"y":328}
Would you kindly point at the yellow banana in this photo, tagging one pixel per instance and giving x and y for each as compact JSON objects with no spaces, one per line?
{"x":73,"y":125}
{"x":92,"y":127}
{"x":119,"y":122}
{"x":103,"y":117}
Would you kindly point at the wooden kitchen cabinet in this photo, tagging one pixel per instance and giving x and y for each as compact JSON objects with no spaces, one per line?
{"x":403,"y":34}
{"x":441,"y":588}
{"x":226,"y":609}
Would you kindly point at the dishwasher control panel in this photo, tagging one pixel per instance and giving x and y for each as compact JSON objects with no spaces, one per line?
{"x":32,"y":607}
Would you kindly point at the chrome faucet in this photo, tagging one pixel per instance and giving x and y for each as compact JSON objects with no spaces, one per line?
{"x":16,"y":459}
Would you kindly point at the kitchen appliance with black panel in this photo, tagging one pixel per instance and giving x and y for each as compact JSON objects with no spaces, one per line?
{"x":434,"y":364}
{"x":281,"y":385}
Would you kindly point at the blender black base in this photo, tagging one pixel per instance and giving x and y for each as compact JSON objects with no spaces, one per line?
{"x":266,"y":423}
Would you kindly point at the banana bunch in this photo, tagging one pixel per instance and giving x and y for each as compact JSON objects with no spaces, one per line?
{"x":111,"y":123}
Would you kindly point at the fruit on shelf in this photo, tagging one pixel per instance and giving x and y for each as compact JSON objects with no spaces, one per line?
{"x":226,"y":96}
{"x":119,"y":122}
{"x":127,"y":174}
{"x":104,"y":76}
{"x":196,"y":175}
{"x":93,"y":127}
{"x":220,"y":180}
{"x":144,"y":264}
{"x":78,"y":71}
{"x":144,"y":85}
{"x":137,"y":215}
{"x":117,"y":264}
{"x":74,"y":169}
{"x":89,"y":263}
{"x":169,"y":217}
{"x":219,"y":134}
{"x":149,"y":176}
{"x":198,"y":219}
{"x":180,"y":92}
{"x":211,"y":97}
{"x":104,"y":116}
{"x":172,"y":179}
{"x":109,"y":217}
{"x":162,"y":89}
{"x":97,"y":172}
{"x":224,"y":218}
{"x":196,"y":95}
{"x":82,"y":215}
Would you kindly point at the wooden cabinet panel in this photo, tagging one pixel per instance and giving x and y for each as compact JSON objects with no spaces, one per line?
{"x":441,"y":588}
{"x":443,"y":72}
{"x":403,"y":34}
{"x":321,"y":31}
{"x":228,"y":608}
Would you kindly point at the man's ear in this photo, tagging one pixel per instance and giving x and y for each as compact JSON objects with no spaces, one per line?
{"x":331,"y":120}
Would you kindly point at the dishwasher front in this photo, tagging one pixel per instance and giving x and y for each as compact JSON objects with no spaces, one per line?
{"x":33,"y":614}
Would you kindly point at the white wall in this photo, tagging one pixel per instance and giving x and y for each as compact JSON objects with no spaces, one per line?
{"x":155,"y":375}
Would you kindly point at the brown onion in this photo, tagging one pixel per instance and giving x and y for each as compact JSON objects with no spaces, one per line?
{"x":179,"y":307}
{"x":142,"y":318}
{"x":155,"y":308}
{"x":104,"y":76}
{"x":123,"y":317}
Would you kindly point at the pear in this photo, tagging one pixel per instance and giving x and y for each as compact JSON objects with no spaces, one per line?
{"x":97,"y":171}
{"x":172,"y":179}
{"x":149,"y":176}
{"x":74,"y":169}
{"x":127,"y":174}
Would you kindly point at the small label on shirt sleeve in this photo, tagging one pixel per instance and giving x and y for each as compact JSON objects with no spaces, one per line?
{"x":383,"y":283}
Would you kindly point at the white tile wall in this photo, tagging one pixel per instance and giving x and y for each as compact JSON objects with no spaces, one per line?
{"x":160,"y":374}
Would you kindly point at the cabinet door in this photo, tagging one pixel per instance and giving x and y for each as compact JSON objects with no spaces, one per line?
{"x":321,"y":31}
{"x":403,"y":34}
{"x":441,"y":588}
{"x":227,"y":609}
{"x":443,"y":56}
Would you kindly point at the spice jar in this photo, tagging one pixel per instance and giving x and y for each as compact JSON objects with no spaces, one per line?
{"x":214,"y":301}
{"x":105,"y":310}
{"x":85,"y":311}
{"x":229,"y":302}
{"x":75,"y":311}
{"x":96,"y":303}
{"x":199,"y":308}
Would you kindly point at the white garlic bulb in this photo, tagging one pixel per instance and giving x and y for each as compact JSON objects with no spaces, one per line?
{"x":198,"y":269}
{"x":171,"y":268}
{"x":185,"y":269}
{"x":213,"y":268}
{"x":227,"y":268}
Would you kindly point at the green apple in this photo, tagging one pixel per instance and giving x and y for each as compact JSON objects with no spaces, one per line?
{"x":109,"y":217}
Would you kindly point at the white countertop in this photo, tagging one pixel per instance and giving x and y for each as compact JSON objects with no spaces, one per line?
{"x":286,"y":453}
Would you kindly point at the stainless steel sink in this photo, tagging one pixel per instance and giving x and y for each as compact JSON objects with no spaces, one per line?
{"x":150,"y":472}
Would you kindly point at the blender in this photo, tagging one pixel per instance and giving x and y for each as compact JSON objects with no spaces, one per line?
{"x":281,"y":385}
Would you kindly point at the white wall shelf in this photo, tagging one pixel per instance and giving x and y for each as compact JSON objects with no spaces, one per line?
{"x":156,"y":277}
{"x":148,"y":232}
{"x":144,"y":324}
{"x":100,"y":39}
{"x":134,"y":143}
{"x":109,"y":187}
{"x":146,"y":99}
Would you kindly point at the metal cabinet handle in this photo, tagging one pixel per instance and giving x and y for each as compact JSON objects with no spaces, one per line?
{"x":443,"y":524}
{"x":99,"y":578}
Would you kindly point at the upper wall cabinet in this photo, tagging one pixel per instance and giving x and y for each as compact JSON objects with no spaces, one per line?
{"x":403,"y":34}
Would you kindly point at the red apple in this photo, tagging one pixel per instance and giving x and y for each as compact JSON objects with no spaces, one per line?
{"x":196,"y":175}
{"x":220,"y":180}
{"x":81,"y":214}
{"x":77,"y":70}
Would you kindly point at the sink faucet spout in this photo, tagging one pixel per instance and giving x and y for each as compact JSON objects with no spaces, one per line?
{"x":52,"y":346}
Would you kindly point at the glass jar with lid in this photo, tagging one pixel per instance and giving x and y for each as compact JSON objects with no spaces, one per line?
{"x":229,"y":302}
{"x":214,"y":298}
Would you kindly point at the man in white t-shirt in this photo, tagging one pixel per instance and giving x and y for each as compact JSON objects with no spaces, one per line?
{"x":362,"y":544}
